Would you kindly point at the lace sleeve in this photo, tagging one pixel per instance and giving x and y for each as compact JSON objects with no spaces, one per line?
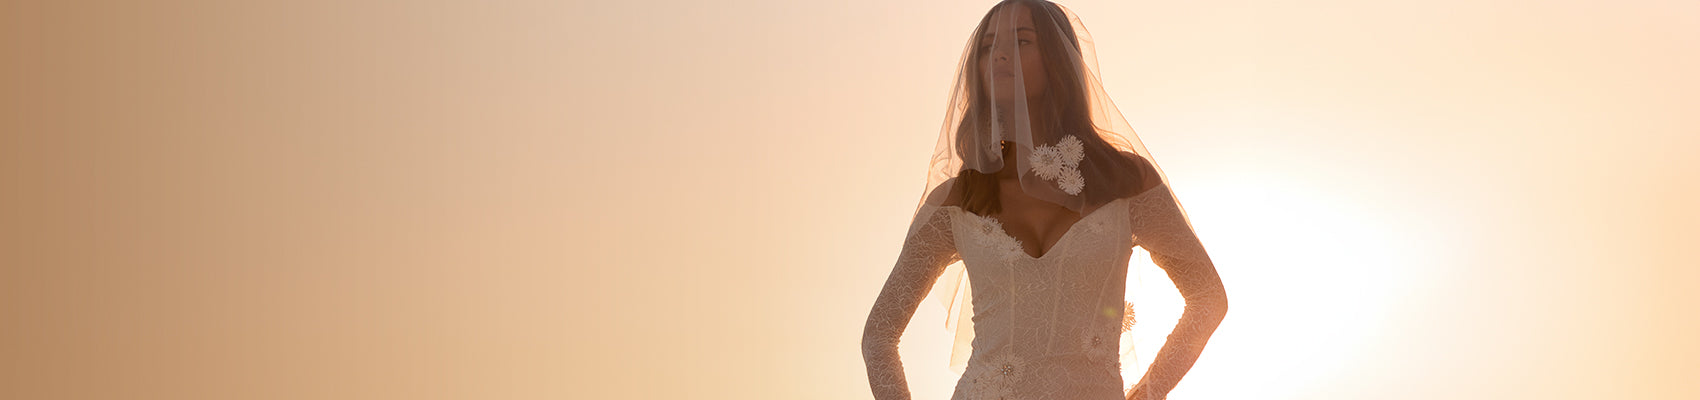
{"x":925,"y":254}
{"x":1160,"y":227}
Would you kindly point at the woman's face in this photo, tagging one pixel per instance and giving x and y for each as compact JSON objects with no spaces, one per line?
{"x":1001,"y":45}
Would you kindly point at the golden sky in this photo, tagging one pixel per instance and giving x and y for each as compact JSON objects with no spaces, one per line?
{"x":697,"y":199}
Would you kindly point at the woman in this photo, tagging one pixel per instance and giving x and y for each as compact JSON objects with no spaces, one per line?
{"x":1045,"y":240}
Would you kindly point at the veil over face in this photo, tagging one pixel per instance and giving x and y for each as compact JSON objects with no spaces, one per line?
{"x":1027,"y":87}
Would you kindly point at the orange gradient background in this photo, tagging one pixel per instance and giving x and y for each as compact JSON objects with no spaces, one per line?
{"x":700,"y":199}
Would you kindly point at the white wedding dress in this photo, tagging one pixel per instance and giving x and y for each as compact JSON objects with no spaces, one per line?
{"x":1047,"y":327}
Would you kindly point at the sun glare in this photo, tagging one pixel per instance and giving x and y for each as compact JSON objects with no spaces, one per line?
{"x":1305,"y":275}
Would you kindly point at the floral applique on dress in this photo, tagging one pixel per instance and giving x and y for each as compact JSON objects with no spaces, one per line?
{"x":1127,"y":316}
{"x":1100,"y":349}
{"x":1094,"y":227}
{"x":992,"y":236}
{"x":1060,"y":163}
{"x":998,"y":381}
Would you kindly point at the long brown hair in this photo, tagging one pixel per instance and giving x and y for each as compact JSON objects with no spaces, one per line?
{"x":1063,"y":107}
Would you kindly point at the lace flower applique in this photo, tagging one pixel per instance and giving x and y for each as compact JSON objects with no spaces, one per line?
{"x":998,"y":379}
{"x":992,"y":236}
{"x":1127,"y":316}
{"x":1094,"y":227}
{"x":1060,"y":163}
{"x":1099,"y":349}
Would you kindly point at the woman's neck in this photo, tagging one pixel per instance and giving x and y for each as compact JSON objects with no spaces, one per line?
{"x":1039,"y":124}
{"x":1008,"y":170}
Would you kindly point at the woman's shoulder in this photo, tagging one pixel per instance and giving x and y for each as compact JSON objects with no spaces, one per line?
{"x":1144,"y":171}
{"x":952,"y":197}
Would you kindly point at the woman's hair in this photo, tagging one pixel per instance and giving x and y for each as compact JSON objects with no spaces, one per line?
{"x":1062,"y":106}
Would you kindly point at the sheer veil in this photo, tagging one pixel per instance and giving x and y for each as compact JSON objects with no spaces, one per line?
{"x":1028,"y":82}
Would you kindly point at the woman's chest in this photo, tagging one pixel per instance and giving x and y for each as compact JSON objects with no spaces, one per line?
{"x":1099,"y":237}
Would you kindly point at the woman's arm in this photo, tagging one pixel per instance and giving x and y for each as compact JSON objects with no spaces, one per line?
{"x":925,"y":255}
{"x":1162,"y":230}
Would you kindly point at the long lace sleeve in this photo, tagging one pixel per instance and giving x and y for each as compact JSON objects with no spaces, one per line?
{"x":925,"y":254}
{"x":1160,"y":227}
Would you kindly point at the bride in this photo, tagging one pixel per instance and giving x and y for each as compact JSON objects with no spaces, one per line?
{"x":1042,"y":190}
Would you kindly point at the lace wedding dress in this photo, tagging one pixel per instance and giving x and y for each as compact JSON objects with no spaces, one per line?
{"x":1046,"y":327}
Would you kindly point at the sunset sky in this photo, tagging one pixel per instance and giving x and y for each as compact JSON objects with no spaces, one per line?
{"x":700,"y":199}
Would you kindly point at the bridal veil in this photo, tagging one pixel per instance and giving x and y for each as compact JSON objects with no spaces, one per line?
{"x":1028,"y":80}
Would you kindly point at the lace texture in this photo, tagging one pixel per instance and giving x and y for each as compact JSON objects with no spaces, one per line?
{"x":925,"y":254}
{"x":1046,"y":327}
{"x":1161,"y":228}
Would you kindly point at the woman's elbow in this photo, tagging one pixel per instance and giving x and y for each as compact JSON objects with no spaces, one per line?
{"x":875,"y":339}
{"x":1213,"y":306}
{"x":1219,"y":308}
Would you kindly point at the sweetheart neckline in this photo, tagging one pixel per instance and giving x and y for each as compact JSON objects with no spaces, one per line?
{"x":1066,"y":232}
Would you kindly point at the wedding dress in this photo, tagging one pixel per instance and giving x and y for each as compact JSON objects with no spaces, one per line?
{"x":1046,"y":327}
{"x":1054,"y":323}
